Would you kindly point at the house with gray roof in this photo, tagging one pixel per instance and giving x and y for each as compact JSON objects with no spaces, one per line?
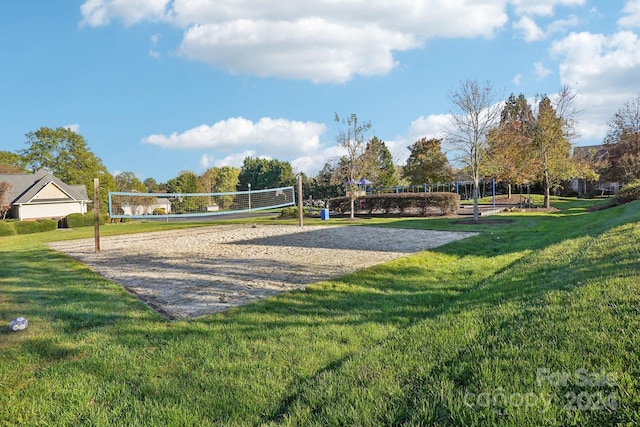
{"x":42,"y":195}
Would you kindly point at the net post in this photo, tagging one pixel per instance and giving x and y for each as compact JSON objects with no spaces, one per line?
{"x":300,"y":213}
{"x":96,"y":214}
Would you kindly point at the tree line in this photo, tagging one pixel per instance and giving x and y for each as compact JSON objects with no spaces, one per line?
{"x":513,"y":141}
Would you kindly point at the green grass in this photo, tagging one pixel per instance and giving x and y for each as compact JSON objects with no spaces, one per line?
{"x":460,"y":335}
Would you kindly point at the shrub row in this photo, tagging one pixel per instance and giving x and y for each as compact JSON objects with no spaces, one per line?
{"x":292,"y":212}
{"x":13,"y":227}
{"x":76,"y":220}
{"x":402,"y":203}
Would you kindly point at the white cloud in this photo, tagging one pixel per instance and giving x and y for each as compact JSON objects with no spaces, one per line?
{"x":604,"y":71}
{"x":206,"y":161}
{"x":631,"y":19}
{"x":74,"y":127}
{"x":96,"y":13}
{"x":517,"y":79}
{"x":540,"y":70}
{"x":237,"y":159}
{"x":321,"y":40}
{"x":531,"y":32}
{"x":432,"y":126}
{"x":312,"y":163}
{"x":280,"y":136}
{"x":563,"y":25}
{"x":529,"y":29}
{"x":542,"y":7}
{"x":311,"y":49}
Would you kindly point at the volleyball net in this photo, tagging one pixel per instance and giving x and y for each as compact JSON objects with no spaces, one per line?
{"x":146,"y":205}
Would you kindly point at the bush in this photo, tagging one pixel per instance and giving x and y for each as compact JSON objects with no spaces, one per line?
{"x":7,"y":228}
{"x":159,"y":211}
{"x":403,"y":203}
{"x":38,"y":226}
{"x":75,"y":220}
{"x":629,"y":192}
{"x":292,"y":212}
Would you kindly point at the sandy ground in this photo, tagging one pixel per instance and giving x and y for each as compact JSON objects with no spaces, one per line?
{"x":193,"y":272}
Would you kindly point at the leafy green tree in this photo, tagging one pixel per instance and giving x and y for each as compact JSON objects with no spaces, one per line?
{"x":11,"y":162}
{"x":186,"y":183}
{"x":622,"y":143}
{"x":220,"y":180}
{"x":349,"y":171}
{"x":265,"y":173}
{"x":128,"y":181}
{"x":323,"y":185}
{"x":427,"y":163}
{"x":66,"y":155}
{"x":151,"y":185}
{"x":378,"y":164}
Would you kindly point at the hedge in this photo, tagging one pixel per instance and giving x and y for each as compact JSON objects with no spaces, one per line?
{"x":76,"y":220}
{"x":292,"y":212}
{"x":38,"y":226}
{"x":403,"y":203}
{"x":7,"y":229}
{"x":13,"y":227}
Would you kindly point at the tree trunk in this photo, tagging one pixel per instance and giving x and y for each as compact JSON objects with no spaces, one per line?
{"x":509,"y":190}
{"x":547,"y":185}
{"x":476,"y":213}
{"x":353,"y":208}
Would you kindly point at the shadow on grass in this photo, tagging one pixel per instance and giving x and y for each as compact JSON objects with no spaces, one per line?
{"x":404,"y":303}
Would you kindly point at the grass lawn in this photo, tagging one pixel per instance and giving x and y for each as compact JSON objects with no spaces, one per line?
{"x":535,"y":321}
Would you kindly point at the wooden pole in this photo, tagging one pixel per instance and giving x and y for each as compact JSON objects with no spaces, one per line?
{"x":300,"y":212}
{"x":96,"y":213}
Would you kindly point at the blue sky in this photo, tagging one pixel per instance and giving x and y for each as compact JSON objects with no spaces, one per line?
{"x":160,"y":86}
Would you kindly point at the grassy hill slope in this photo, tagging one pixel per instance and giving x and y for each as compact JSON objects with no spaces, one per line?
{"x":533,"y":322}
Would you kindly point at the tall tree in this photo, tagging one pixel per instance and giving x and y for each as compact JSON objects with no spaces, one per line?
{"x":323,"y":186}
{"x":478,"y":112}
{"x":11,"y":162}
{"x":265,"y":173}
{"x":510,"y":157}
{"x":128,"y":181}
{"x":151,"y":185}
{"x":378,"y":164}
{"x":66,"y":155}
{"x":427,"y":163}
{"x":186,"y":183}
{"x":220,"y":179}
{"x":552,"y":136}
{"x":623,"y":143}
{"x":351,"y":138}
